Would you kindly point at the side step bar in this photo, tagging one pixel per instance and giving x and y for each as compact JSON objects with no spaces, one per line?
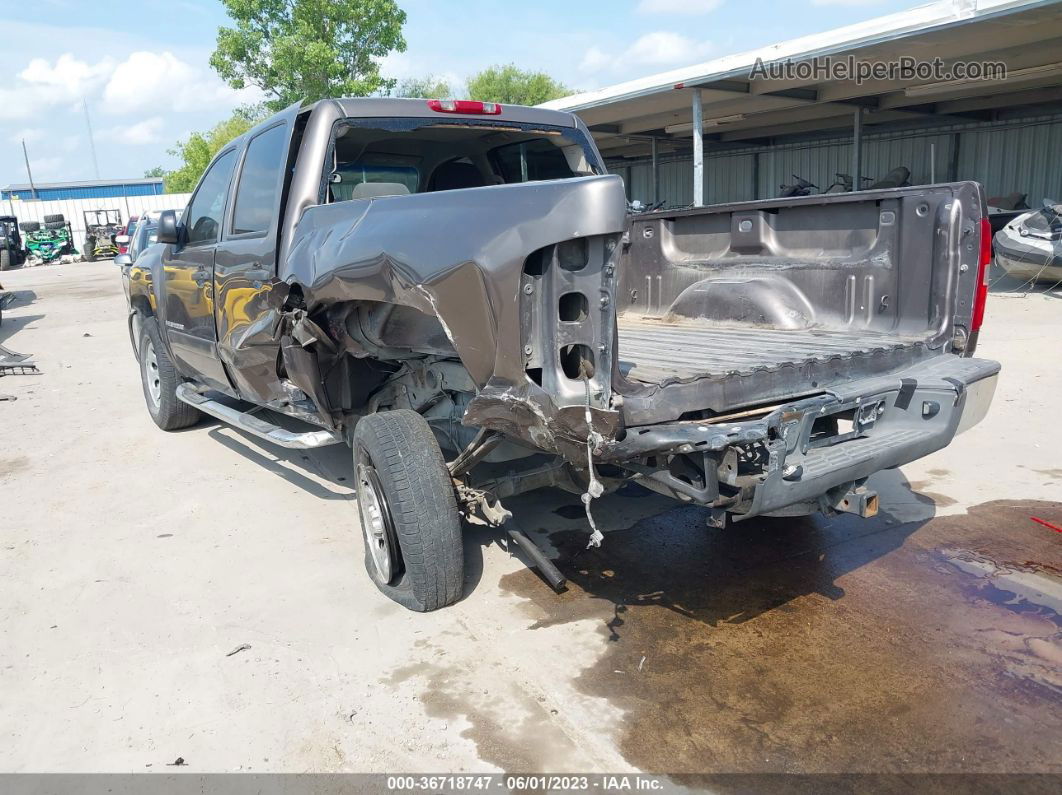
{"x":260,"y":428}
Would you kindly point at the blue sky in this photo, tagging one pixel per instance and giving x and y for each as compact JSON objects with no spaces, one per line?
{"x":142,"y":66}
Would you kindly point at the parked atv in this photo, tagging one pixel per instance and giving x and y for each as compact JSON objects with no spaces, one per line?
{"x":51,"y":242}
{"x":101,"y":229}
{"x":11,"y":251}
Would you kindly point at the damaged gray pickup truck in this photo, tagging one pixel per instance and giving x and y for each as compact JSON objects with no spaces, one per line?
{"x":457,"y":291}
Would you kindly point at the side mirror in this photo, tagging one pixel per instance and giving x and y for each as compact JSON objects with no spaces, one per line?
{"x":121,"y":239}
{"x":123,"y":259}
{"x":168,"y":231}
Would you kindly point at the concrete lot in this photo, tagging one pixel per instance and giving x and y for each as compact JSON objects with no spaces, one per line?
{"x":134,"y":562}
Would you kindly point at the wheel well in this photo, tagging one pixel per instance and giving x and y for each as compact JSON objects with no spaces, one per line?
{"x":141,"y":304}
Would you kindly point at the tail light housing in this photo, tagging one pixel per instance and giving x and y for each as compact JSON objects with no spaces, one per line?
{"x":984,"y":260}
{"x":467,"y":106}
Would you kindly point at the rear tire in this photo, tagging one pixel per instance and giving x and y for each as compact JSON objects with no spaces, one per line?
{"x":89,"y":254}
{"x":53,"y":225}
{"x":5,"y":259}
{"x":160,"y":381}
{"x":409,"y":518}
{"x":29,"y":226}
{"x":58,"y":217}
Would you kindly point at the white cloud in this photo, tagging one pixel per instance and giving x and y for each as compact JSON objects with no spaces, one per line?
{"x":845,"y":2}
{"x":688,"y":7}
{"x":663,"y":48}
{"x":68,"y":78}
{"x":45,"y":84}
{"x":658,"y":49}
{"x":595,"y":59}
{"x":145,"y":79}
{"x":143,"y":132}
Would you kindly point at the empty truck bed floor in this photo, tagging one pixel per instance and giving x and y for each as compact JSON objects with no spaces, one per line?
{"x":655,"y":352}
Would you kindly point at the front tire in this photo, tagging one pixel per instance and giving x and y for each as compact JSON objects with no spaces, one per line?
{"x":409,"y":517}
{"x":160,"y":380}
{"x":5,"y":259}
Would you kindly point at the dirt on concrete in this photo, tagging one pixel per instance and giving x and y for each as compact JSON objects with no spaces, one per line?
{"x":821,"y":645}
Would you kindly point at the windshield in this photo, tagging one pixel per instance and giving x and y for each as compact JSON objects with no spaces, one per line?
{"x":394,"y":157}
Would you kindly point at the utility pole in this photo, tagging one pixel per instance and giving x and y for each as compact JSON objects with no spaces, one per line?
{"x":25,"y":155}
{"x":92,"y":143}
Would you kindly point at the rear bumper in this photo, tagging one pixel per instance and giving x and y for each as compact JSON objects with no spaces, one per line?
{"x":813,"y":448}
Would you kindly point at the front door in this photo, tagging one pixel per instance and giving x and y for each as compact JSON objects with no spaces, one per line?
{"x":188,"y":278}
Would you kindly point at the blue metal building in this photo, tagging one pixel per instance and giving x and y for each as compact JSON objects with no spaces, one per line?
{"x":87,"y":189}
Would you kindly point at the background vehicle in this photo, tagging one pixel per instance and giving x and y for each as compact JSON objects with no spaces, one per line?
{"x":102,"y":227}
{"x":1030,"y":246}
{"x":122,"y":239}
{"x":456,"y":290}
{"x":50,"y":242}
{"x":11,"y":251}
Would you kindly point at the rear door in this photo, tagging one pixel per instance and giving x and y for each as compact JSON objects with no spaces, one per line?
{"x":246,"y":263}
{"x":188,"y":276}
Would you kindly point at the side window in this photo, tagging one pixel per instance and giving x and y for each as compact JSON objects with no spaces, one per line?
{"x":257,"y":190}
{"x":208,"y":205}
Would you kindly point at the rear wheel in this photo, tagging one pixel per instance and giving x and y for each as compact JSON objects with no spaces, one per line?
{"x":409,"y":517}
{"x":29,"y":226}
{"x":89,"y":254}
{"x":160,"y":380}
{"x":53,"y":225}
{"x":5,"y":259}
{"x":57,"y":218}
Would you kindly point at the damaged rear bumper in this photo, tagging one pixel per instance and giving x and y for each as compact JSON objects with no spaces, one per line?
{"x":807,"y":455}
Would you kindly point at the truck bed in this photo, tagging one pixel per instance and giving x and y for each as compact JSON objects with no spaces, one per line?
{"x":730,"y":306}
{"x":656,"y":352}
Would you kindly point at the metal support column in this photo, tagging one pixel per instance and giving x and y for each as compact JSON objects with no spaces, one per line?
{"x":857,"y":149}
{"x":655,"y":187}
{"x":698,"y":150}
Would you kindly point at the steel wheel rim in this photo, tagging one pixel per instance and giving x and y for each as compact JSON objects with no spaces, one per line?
{"x":376,"y":523}
{"x":151,"y":374}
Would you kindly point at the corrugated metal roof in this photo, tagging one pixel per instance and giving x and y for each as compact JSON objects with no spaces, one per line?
{"x":87,"y":183}
{"x":933,"y":16}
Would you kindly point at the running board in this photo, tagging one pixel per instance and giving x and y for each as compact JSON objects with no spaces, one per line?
{"x":260,"y":428}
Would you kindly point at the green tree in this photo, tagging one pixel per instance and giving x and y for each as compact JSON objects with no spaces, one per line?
{"x":515,"y":86}
{"x":196,"y":151}
{"x":430,"y":87}
{"x":308,"y":49}
{"x":157,"y":171}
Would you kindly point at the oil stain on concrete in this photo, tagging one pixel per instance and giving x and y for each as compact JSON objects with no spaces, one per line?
{"x":823,"y":645}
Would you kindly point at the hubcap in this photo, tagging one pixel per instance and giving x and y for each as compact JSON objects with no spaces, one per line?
{"x":151,"y":374}
{"x":375,"y":520}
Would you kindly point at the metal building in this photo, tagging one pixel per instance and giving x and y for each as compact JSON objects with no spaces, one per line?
{"x":722,"y":131}
{"x":88,"y":189}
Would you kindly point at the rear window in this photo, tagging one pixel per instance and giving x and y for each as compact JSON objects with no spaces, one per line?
{"x":531,"y":160}
{"x":349,"y":175}
{"x":378,"y":157}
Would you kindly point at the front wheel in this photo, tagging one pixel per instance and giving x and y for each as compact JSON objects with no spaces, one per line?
{"x":160,"y":380}
{"x":409,"y":517}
